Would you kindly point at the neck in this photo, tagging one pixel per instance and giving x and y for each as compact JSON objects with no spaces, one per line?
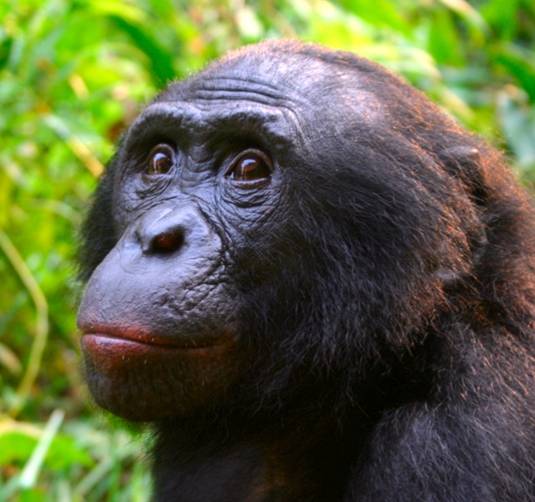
{"x":300,"y":458}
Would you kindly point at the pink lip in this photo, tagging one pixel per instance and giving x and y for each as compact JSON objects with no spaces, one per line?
{"x":138,"y":335}
{"x":113,"y":356}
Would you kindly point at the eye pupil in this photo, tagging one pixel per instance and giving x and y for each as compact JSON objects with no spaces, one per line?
{"x":161,"y":160}
{"x":251,"y":166}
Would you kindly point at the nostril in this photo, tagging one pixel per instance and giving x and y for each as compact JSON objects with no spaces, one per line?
{"x":167,"y":242}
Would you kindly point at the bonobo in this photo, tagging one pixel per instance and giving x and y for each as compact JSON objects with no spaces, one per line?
{"x":317,"y":287}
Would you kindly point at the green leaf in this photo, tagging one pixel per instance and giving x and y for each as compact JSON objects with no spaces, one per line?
{"x":520,"y":64}
{"x":518,"y":122}
{"x":160,"y":60}
{"x":444,"y":42}
{"x":17,"y":446}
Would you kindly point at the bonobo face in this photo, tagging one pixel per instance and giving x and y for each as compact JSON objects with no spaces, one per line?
{"x":197,"y":183}
{"x":272,"y":218}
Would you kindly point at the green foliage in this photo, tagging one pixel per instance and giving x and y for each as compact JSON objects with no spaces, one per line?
{"x":73,"y":74}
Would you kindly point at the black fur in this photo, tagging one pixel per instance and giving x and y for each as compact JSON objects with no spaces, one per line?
{"x":389,"y":312}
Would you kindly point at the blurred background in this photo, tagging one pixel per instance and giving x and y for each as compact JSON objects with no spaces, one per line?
{"x":73,"y":74}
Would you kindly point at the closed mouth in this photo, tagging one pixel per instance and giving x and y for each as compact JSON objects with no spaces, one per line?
{"x":142,"y":336}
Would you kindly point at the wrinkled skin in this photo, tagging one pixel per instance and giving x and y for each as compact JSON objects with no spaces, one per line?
{"x":317,"y":286}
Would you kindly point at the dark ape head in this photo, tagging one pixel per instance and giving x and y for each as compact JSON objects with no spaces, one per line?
{"x":282,"y":219}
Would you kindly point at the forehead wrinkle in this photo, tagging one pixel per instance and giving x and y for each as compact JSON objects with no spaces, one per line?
{"x":255,"y":86}
{"x":282,"y":95}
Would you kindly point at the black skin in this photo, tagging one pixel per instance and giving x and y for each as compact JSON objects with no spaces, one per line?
{"x":317,"y":287}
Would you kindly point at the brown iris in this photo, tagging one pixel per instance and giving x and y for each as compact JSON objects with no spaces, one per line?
{"x":161,"y":160}
{"x":250,"y":166}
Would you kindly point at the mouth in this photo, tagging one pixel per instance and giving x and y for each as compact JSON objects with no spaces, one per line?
{"x":112,"y":347}
{"x":131,"y":341}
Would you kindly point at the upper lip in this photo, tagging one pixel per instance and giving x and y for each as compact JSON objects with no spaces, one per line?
{"x":143,"y":335}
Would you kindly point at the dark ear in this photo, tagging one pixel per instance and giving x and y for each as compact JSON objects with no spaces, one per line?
{"x":463,"y":162}
{"x":98,"y":233}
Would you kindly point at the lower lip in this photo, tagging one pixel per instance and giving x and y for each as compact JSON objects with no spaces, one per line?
{"x":111,"y":352}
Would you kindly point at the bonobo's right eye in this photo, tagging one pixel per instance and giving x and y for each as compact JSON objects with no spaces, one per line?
{"x":161,"y":159}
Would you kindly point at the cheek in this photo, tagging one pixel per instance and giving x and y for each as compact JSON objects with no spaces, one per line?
{"x":146,"y":382}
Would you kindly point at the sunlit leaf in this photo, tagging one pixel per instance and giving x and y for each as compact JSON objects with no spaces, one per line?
{"x":160,"y":60}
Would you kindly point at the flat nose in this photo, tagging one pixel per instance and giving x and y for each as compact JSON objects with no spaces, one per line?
{"x":163,"y":231}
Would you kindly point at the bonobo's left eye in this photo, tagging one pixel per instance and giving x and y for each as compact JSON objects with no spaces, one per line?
{"x":249,"y":167}
{"x":161,"y":159}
